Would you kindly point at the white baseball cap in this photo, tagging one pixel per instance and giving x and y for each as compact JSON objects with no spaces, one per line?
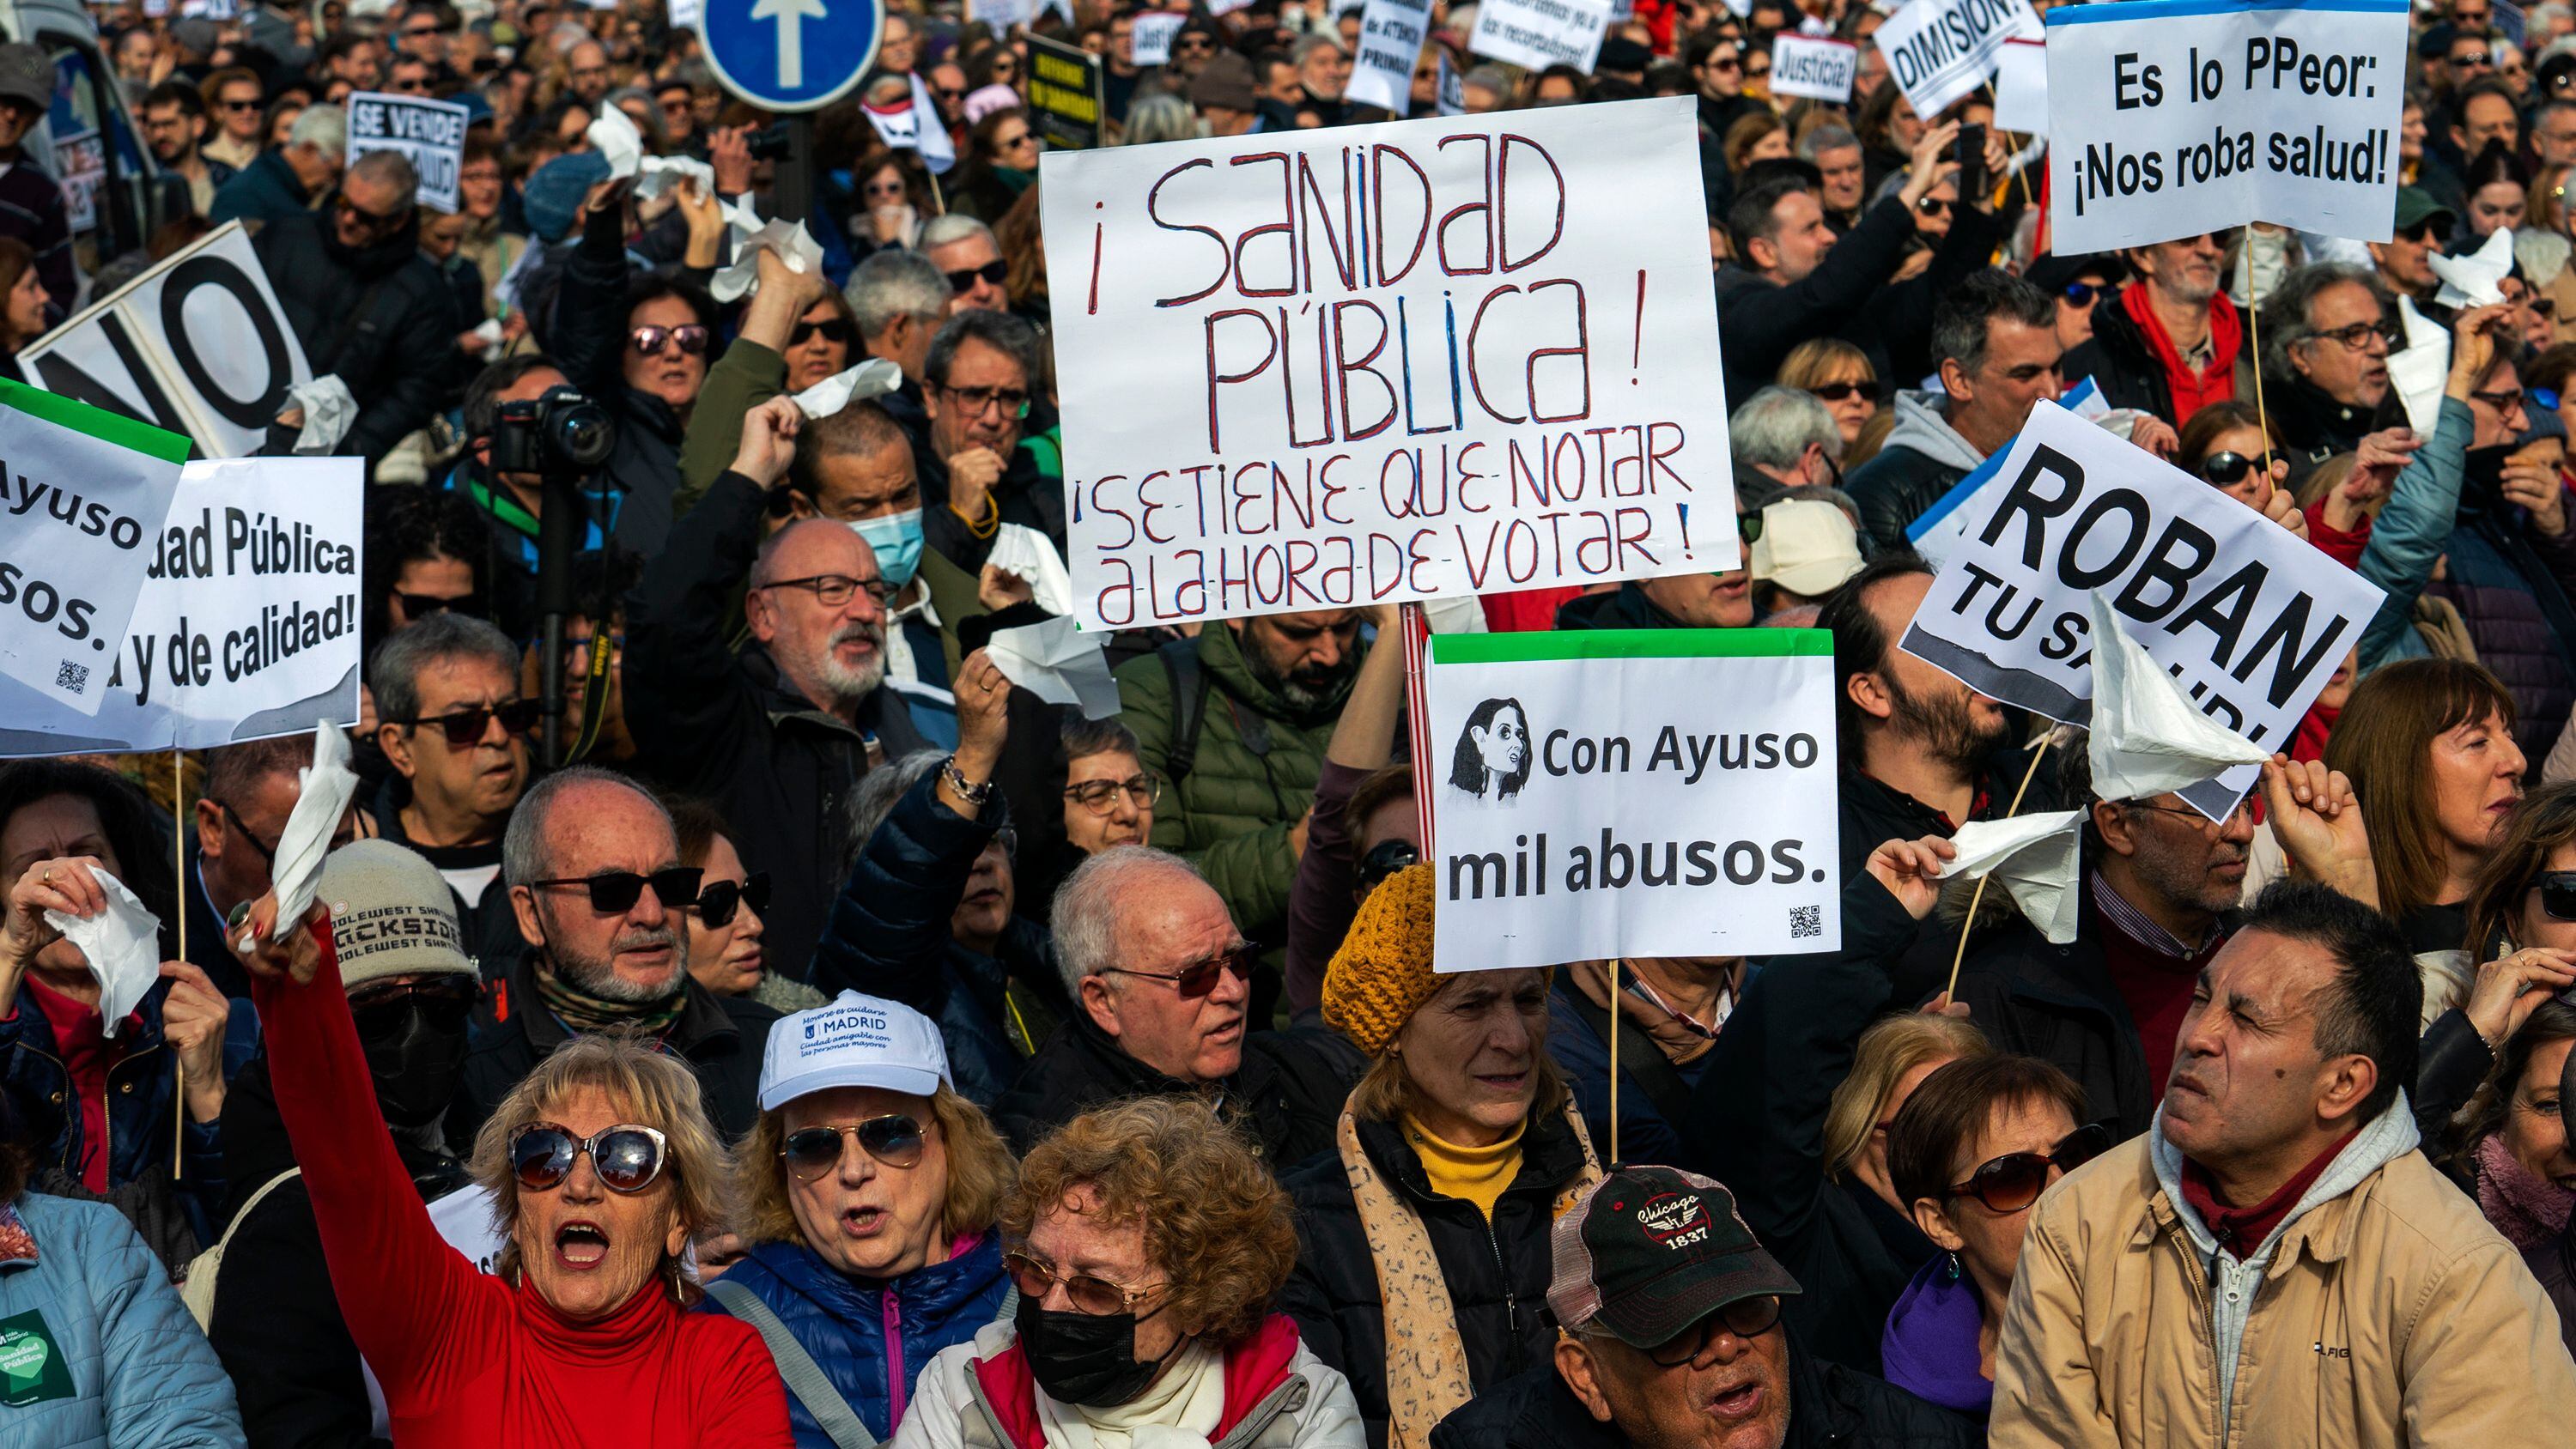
{"x":856,"y":1041}
{"x":1808,"y":546}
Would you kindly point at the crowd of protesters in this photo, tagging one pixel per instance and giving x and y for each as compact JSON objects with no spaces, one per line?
{"x":854,"y":1046}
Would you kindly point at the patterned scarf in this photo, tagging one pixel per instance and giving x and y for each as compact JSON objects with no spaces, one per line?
{"x":1426,"y":1360}
{"x":2528,"y":1210}
{"x":583,"y":1012}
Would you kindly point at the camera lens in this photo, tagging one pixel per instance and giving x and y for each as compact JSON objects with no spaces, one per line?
{"x":582,"y":435}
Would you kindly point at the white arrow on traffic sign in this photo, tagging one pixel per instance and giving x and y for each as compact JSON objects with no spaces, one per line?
{"x":791,"y":16}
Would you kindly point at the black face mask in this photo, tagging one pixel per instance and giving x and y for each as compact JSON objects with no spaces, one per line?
{"x":2484,"y":467}
{"x":1082,"y":1359}
{"x":416,"y":1071}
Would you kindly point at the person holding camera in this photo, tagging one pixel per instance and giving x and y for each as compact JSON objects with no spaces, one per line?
{"x":780,"y":733}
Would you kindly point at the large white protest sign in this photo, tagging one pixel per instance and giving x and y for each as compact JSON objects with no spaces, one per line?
{"x":1804,"y":66}
{"x":1665,"y":792}
{"x":196,"y":345}
{"x":246,"y":625}
{"x":1541,"y":33}
{"x":2171,"y":118}
{"x":1391,"y":36}
{"x":2250,"y":619}
{"x":83,"y":492}
{"x":429,"y":134}
{"x":1940,"y":50}
{"x":1412,"y":360}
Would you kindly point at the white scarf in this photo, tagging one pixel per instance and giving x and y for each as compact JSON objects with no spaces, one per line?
{"x":1179,"y":1411}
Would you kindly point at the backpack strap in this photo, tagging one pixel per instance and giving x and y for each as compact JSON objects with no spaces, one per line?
{"x":804,"y":1377}
{"x":197,"y":1291}
{"x":1190,"y":685}
{"x":1640,"y":1060}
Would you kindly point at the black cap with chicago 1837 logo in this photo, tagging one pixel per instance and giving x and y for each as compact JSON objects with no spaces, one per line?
{"x":1649,"y":1251}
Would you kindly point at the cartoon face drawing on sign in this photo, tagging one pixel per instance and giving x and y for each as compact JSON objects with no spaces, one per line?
{"x":1492,"y":760}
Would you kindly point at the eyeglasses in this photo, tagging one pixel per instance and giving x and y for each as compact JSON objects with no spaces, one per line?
{"x":1198,"y":43}
{"x":1101,"y":796}
{"x":1199,"y":977}
{"x":833,"y":329}
{"x":2082,"y":294}
{"x":1025,"y":138}
{"x":232,"y":817}
{"x":2228,"y":469}
{"x":237,"y":105}
{"x":627,"y":1158}
{"x":1865,"y":390}
{"x":834,"y":590}
{"x":2009,"y":1183}
{"x":2502,"y":399}
{"x":357,"y":216}
{"x":615,"y":892}
{"x":467,"y":726}
{"x":2541,"y":306}
{"x":2356,"y":338}
{"x":995,"y":271}
{"x":1013,"y":402}
{"x":1091,"y":1296}
{"x":383,"y":1011}
{"x":893,"y":1139}
{"x":2198,"y":821}
{"x":946,"y":96}
{"x":421,"y":606}
{"x":649,"y":340}
{"x":2473,"y":57}
{"x":1748,"y":526}
{"x":718,"y":901}
{"x":2557,"y":894}
{"x":1932,"y":206}
{"x":1745,"y":1318}
{"x":1384,"y":859}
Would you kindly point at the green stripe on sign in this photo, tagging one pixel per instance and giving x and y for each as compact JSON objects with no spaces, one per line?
{"x":99,"y":423}
{"x":1530,"y":648}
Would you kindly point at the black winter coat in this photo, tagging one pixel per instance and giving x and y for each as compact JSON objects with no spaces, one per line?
{"x":1848,"y":295}
{"x":1896,"y":487}
{"x":1758,"y":1125}
{"x":1625,"y":607}
{"x":2058,"y":1003}
{"x":2122,"y":363}
{"x":380,"y":318}
{"x":588,"y":339}
{"x":1285,"y":1097}
{"x":1829,"y":1405}
{"x":1497,"y":1274}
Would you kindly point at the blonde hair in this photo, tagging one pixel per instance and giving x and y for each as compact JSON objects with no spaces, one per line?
{"x":1385,"y":1090}
{"x":1820,"y":360}
{"x":1887,"y":1051}
{"x":647,"y":1089}
{"x":980,"y":1172}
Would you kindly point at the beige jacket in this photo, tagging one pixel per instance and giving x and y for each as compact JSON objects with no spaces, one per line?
{"x":2388,"y":1314}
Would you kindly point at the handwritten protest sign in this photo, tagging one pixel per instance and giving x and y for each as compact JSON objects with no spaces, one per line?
{"x":2249,"y":618}
{"x":1631,"y":793}
{"x":1804,"y":66}
{"x":1066,"y":94}
{"x":82,"y":492}
{"x":1541,"y":33}
{"x":247,"y":624}
{"x":1412,"y":360}
{"x":196,"y":345}
{"x":2170,"y":118}
{"x":1940,"y":50}
{"x":1391,"y":36}
{"x":429,"y":134}
{"x":1002,"y":15}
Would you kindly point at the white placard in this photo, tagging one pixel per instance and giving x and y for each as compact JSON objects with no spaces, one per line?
{"x":1541,"y":33}
{"x":1453,"y":87}
{"x":429,"y":134}
{"x":1822,"y":69}
{"x":2250,"y":619}
{"x":1002,"y":15}
{"x":196,"y":345}
{"x":247,"y":622}
{"x":1391,"y":36}
{"x":1940,"y":50}
{"x":1517,"y":384}
{"x":1153,"y":37}
{"x":82,"y":495}
{"x":2170,"y":118}
{"x":2021,"y":87}
{"x":1631,"y":793}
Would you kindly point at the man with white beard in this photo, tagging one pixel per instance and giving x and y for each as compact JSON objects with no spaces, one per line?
{"x":594,"y":872}
{"x":778,"y":733}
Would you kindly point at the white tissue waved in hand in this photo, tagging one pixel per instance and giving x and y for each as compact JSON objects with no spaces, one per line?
{"x":873,"y":378}
{"x":2476,"y":279}
{"x":321,"y":803}
{"x":2033,"y":857}
{"x":614,"y":135}
{"x":2147,"y":737}
{"x":122,"y":945}
{"x":1058,"y":663}
{"x":741,"y":277}
{"x":329,"y":409}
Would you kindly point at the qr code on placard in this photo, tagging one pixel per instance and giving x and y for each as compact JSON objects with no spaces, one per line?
{"x":74,"y":677}
{"x":1806,"y":921}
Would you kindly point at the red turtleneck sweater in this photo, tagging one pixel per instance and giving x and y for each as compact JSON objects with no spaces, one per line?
{"x":465,"y":1359}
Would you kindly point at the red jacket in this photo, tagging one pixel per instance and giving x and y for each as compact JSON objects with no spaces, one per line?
{"x":466,"y":1359}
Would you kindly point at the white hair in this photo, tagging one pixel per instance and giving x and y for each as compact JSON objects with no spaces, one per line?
{"x":324,"y":128}
{"x":1088,"y":906}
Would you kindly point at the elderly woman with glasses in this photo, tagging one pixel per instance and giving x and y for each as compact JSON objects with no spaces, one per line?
{"x":1146,"y":1243}
{"x":871,"y":1191}
{"x":602,"y":1168}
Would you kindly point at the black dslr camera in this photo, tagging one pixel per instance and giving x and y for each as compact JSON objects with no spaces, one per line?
{"x":562,"y":432}
{"x":769,"y":143}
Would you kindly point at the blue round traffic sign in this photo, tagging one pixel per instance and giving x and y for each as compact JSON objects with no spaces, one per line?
{"x":791,"y":55}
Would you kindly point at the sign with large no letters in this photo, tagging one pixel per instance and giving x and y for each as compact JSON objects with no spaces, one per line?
{"x":2170,"y":118}
{"x":2250,"y":619}
{"x":1421,"y":359}
{"x":1646,"y":792}
{"x":197,"y":345}
{"x":1940,"y":50}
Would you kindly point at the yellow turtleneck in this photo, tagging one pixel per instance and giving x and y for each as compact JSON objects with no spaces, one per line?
{"x":1470,"y":1174}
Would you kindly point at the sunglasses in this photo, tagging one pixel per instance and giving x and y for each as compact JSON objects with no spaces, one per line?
{"x":237,"y":105}
{"x":894,"y":1139}
{"x":2082,"y":294}
{"x":1748,"y":527}
{"x":833,"y":329}
{"x":1091,"y":1296}
{"x":2557,"y":894}
{"x":648,"y":340}
{"x":615,"y":892}
{"x":358,"y":216}
{"x":996,"y":272}
{"x":2009,"y":1183}
{"x":721,"y":898}
{"x":2474,"y":57}
{"x":421,"y":606}
{"x":1745,"y":1318}
{"x":1199,"y":977}
{"x":1932,"y":206}
{"x":468,"y":726}
{"x":2428,"y":231}
{"x":1384,"y":859}
{"x":387,"y":1011}
{"x":1101,"y":796}
{"x":2501,"y":399}
{"x":2229,"y":469}
{"x":1837,"y":391}
{"x":627,"y":1158}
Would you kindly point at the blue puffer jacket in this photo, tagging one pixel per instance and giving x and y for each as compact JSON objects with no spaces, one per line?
{"x":137,"y":1373}
{"x":845,"y":1323}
